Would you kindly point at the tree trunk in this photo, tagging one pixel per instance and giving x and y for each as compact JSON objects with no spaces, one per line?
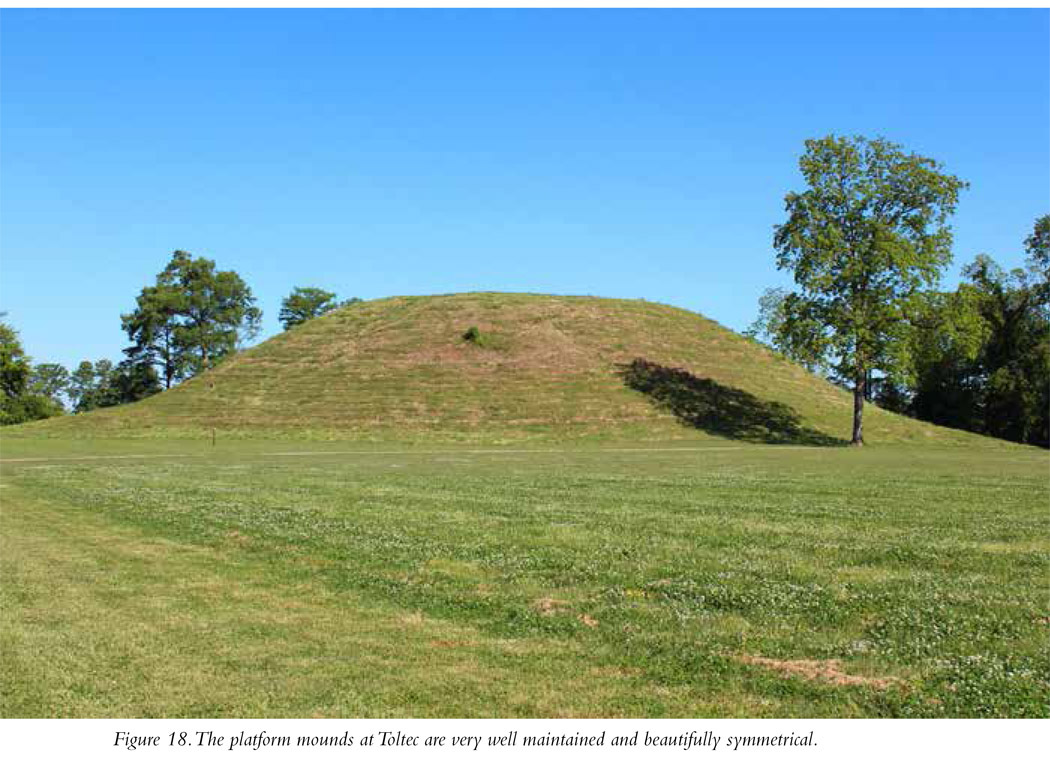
{"x":169,"y":364}
{"x":858,"y":409}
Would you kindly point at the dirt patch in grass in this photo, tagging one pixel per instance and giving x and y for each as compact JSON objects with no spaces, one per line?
{"x":237,"y":537}
{"x":550,"y":606}
{"x":451,"y":644}
{"x":621,"y":672}
{"x":826,"y":671}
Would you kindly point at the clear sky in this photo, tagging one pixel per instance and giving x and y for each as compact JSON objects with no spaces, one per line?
{"x":618,"y":153}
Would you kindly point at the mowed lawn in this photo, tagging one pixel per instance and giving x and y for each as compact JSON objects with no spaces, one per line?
{"x":261,"y":579}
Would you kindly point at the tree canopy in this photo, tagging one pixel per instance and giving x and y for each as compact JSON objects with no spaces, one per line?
{"x":152,"y":329}
{"x":51,"y":380}
{"x":192,"y":317}
{"x":14,"y":364}
{"x":18,"y":403}
{"x":101,"y":384}
{"x":1037,"y":245}
{"x":870,"y":230}
{"x":305,"y":303}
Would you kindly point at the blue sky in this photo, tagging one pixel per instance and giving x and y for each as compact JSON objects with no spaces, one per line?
{"x":619,"y":153}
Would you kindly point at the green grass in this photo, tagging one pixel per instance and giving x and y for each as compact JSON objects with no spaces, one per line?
{"x":406,"y":582}
{"x":544,"y":369}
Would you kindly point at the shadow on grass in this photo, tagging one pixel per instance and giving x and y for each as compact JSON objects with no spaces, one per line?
{"x":719,"y":409}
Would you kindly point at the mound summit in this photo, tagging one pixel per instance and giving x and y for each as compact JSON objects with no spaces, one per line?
{"x":536,"y":367}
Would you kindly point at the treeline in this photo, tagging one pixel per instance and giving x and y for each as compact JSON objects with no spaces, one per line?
{"x":190,"y":319}
{"x":975,"y":358}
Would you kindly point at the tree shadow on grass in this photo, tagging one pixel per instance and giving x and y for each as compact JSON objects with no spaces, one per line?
{"x":719,"y":409}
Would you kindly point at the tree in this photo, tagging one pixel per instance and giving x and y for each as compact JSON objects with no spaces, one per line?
{"x":131,"y":381}
{"x":1015,"y":359}
{"x":193,"y":317}
{"x":88,"y":385}
{"x":103,"y":369}
{"x":99,"y":385}
{"x":306,"y":303}
{"x":979,"y":356}
{"x":216,"y":308}
{"x":151,"y":328}
{"x":870,"y":231}
{"x":14,"y":364}
{"x":944,"y":350}
{"x":50,"y":380}
{"x":28,"y":407}
{"x":1038,"y":248}
{"x":82,"y":387}
{"x":17,"y":402}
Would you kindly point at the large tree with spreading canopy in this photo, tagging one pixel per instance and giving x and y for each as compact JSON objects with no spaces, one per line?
{"x":869,"y":231}
{"x":192,"y":317}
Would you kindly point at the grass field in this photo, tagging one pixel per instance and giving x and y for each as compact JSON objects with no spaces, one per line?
{"x":727,"y":579}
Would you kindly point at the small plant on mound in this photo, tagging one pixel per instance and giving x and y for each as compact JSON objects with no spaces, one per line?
{"x":484,"y":339}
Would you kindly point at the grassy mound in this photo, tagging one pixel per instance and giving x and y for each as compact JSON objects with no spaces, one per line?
{"x":504,"y":368}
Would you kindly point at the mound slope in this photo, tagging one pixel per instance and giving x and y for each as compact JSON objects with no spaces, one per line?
{"x":544,"y":367}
